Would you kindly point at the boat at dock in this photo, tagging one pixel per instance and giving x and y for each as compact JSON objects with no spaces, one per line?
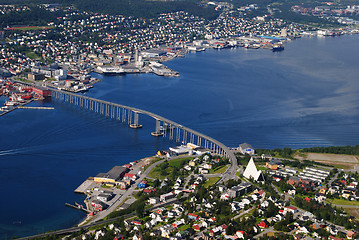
{"x":277,"y":48}
{"x":5,"y":108}
{"x":110,"y":70}
{"x":11,"y":103}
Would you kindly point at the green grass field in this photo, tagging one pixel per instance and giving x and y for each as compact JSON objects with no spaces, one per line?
{"x":32,"y":55}
{"x":343,"y":202}
{"x":211,"y":181}
{"x":219,"y":170}
{"x":158,"y":173}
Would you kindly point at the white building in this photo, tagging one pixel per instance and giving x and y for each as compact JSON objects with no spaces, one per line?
{"x":252,"y":172}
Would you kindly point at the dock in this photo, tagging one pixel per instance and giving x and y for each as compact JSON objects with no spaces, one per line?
{"x":15,"y":107}
{"x":78,"y":206}
{"x":84,"y":186}
{"x":46,"y":108}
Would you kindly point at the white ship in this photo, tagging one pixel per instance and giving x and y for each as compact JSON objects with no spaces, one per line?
{"x":110,"y":70}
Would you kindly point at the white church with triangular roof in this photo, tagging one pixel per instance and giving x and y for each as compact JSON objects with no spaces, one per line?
{"x":252,"y":172}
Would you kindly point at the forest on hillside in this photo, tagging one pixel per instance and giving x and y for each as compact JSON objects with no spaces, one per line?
{"x":138,"y":8}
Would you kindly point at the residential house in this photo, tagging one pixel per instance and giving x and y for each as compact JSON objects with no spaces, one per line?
{"x":290,"y":209}
{"x":98,"y":205}
{"x":177,"y":224}
{"x":142,"y":184}
{"x":193,"y":216}
{"x":167,"y":196}
{"x":263,"y":224}
{"x":137,"y":222}
{"x":241,"y":234}
{"x":153,"y":200}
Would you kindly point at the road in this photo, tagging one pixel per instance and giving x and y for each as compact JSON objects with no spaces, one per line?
{"x":265,"y":231}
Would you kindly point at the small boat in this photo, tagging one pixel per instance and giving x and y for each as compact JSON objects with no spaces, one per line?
{"x":277,"y":48}
{"x":11,"y":103}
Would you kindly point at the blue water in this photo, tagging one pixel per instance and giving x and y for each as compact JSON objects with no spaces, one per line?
{"x":303,"y":96}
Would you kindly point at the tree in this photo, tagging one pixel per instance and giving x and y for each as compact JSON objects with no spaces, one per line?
{"x":140,"y":209}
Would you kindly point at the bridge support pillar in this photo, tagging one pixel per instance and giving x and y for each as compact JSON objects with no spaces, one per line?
{"x":178,"y":134}
{"x":171,"y":132}
{"x":158,"y":131}
{"x":184,"y":141}
{"x":118,"y":113}
{"x":124,"y":111}
{"x":135,"y":121}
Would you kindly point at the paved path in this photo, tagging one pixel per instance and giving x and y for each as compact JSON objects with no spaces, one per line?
{"x":265,"y":231}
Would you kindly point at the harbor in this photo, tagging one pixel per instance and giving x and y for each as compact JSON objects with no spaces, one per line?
{"x":19,"y":95}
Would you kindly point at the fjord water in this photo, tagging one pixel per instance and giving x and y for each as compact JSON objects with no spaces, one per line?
{"x":305,"y":96}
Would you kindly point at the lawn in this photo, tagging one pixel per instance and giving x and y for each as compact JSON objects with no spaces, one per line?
{"x":178,"y":162}
{"x":184,"y":227}
{"x":159,"y":173}
{"x":32,"y":55}
{"x":343,"y":202}
{"x":219,"y":170}
{"x":211,"y":181}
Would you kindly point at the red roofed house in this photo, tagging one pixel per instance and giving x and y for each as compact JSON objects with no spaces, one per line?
{"x":197,"y":227}
{"x":160,"y":210}
{"x":263,"y":224}
{"x":344,"y":182}
{"x":137,"y":222}
{"x":212,"y":219}
{"x":307,"y":199}
{"x":291,"y":209}
{"x":130,"y":176}
{"x":148,"y":191}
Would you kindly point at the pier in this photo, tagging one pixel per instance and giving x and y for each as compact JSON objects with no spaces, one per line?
{"x":78,"y":206}
{"x":45,"y":108}
{"x":22,"y":105}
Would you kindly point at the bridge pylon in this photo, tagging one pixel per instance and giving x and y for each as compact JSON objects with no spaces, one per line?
{"x":158,"y":131}
{"x":135,"y":121}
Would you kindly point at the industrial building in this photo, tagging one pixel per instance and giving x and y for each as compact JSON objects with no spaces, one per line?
{"x":112,"y":176}
{"x":42,"y":91}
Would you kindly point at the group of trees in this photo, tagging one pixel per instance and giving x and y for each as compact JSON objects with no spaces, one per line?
{"x":351,"y":150}
{"x":284,"y":153}
{"x":138,"y":8}
{"x":36,"y":17}
{"x":326,"y":212}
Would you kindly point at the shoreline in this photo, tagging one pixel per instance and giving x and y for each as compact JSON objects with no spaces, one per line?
{"x":144,"y":162}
